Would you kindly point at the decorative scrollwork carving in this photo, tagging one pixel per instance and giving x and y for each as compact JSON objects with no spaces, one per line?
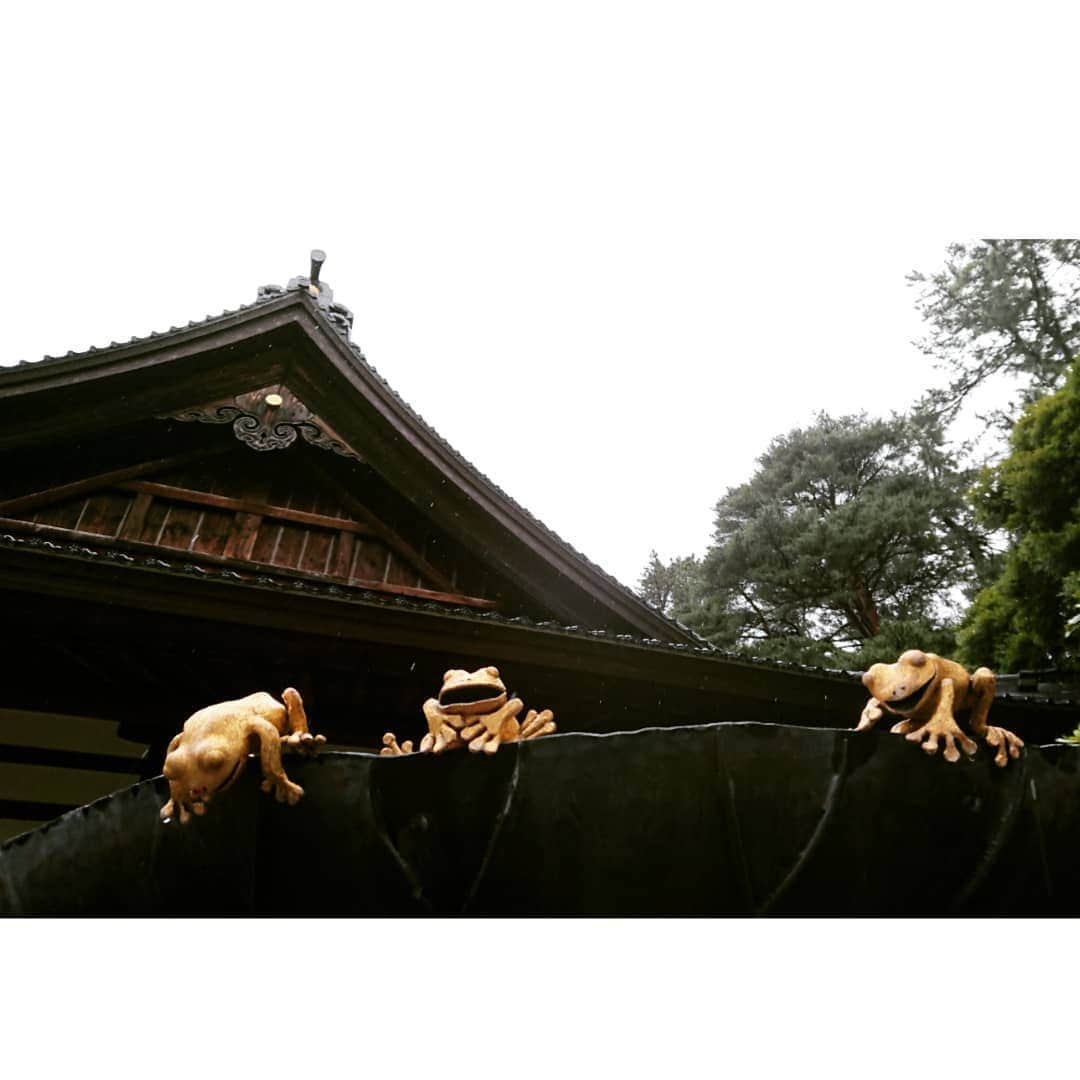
{"x":268,"y":419}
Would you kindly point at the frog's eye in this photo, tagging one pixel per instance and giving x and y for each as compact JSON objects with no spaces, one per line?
{"x":914,"y":657}
{"x":493,"y":672}
{"x":212,"y":759}
{"x":447,"y":674}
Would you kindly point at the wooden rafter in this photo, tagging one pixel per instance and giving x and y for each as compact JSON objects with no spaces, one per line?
{"x":246,"y":506}
{"x":68,"y":759}
{"x":396,"y":544}
{"x":60,"y":493}
{"x":25,"y":810}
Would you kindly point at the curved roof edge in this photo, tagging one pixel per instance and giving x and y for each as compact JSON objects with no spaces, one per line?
{"x":29,"y":377}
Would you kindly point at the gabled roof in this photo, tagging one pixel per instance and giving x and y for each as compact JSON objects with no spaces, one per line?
{"x":297,"y":338}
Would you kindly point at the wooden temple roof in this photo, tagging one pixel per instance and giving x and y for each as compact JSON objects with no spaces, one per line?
{"x":286,"y":347}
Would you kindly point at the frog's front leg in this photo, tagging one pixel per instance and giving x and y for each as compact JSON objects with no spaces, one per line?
{"x":270,"y":757}
{"x":941,"y":725}
{"x":441,"y":734}
{"x":299,"y":734}
{"x":495,"y":728}
{"x":170,"y":808}
{"x":981,"y":697}
{"x":871,"y":714}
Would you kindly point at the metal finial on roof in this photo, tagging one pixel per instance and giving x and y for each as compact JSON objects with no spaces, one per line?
{"x":318,"y":257}
{"x":311,"y":284}
{"x":318,"y":290}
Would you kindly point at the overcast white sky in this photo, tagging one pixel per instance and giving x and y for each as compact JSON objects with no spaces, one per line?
{"x":607,"y":251}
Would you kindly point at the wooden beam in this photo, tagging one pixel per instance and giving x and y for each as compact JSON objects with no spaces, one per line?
{"x":245,"y":532}
{"x":344,"y":557}
{"x":136,"y":517}
{"x":245,"y":506}
{"x":160,"y":551}
{"x":100,"y":480}
{"x":409,"y":554}
{"x":69,"y":759}
{"x":25,"y":810}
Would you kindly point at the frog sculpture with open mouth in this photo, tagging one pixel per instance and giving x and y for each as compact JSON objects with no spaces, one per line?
{"x":472,"y":709}
{"x":929,"y":695}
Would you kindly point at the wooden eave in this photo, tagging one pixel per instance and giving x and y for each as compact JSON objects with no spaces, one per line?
{"x":287,"y":339}
{"x":328,"y":619}
{"x":150,"y":585}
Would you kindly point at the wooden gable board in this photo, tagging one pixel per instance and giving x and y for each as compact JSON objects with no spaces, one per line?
{"x":286,"y":340}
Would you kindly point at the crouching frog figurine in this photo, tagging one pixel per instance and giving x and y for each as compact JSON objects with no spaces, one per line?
{"x":472,"y":709}
{"x":930,"y":696}
{"x":212,"y":750}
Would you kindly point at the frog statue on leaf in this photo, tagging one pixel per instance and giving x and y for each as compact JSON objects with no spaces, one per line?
{"x":929,"y":695}
{"x":212,"y":750}
{"x":472,"y":709}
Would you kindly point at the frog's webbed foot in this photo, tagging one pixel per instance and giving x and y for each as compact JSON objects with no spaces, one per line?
{"x":302,"y":740}
{"x":435,"y":742}
{"x":1008,"y":745}
{"x":491,"y":731}
{"x":391,"y":748}
{"x":536,"y":724}
{"x":941,"y":727}
{"x":488,"y":741}
{"x":283,"y":788}
{"x":176,"y":807}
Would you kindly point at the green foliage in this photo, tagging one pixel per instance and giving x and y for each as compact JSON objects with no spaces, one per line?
{"x":851,"y":531}
{"x":1002,"y":307}
{"x":898,"y":636}
{"x":854,"y":535}
{"x":1028,"y":617}
{"x":669,"y":587}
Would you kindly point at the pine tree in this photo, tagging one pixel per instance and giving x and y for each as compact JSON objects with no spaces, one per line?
{"x":842,"y":548}
{"x":1002,"y":307}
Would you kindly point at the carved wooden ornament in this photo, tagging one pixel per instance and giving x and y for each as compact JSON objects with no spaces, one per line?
{"x":930,"y":696}
{"x":268,"y":419}
{"x":472,"y":710}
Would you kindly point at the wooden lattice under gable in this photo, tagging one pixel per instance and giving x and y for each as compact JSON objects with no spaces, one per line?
{"x":277,"y":511}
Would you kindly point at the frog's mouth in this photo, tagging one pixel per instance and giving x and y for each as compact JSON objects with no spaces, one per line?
{"x":912,"y":701}
{"x":234,"y":772}
{"x":470,"y":694}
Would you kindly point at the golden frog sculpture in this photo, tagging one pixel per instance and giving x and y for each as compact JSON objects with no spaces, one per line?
{"x":212,"y":751}
{"x":472,"y":709}
{"x":930,"y":695}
